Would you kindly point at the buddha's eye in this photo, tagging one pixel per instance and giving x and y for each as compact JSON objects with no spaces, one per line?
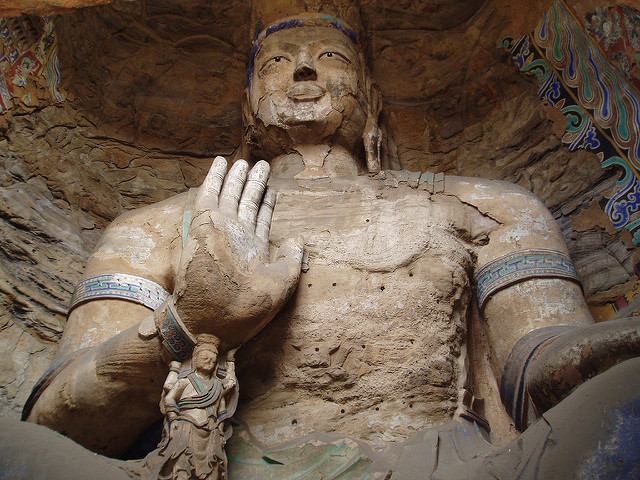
{"x":280,"y":59}
{"x":335,"y":56}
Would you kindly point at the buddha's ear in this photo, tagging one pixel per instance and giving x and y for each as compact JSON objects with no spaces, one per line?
{"x":249,"y":123}
{"x":372,"y":134}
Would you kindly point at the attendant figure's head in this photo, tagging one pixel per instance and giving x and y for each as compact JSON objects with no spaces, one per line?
{"x":205,"y":354}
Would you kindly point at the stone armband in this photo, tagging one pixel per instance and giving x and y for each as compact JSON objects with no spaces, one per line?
{"x":519,"y":266}
{"x":175,"y":336}
{"x":119,"y":286}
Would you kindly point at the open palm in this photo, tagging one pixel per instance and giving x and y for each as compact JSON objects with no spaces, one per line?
{"x":226,"y":284}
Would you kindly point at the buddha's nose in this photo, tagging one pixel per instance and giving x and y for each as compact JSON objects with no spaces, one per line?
{"x":305,"y":69}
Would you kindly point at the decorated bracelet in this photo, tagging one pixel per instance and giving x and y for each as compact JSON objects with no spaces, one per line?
{"x":513,"y":385}
{"x":176,"y":338}
{"x":519,"y":266}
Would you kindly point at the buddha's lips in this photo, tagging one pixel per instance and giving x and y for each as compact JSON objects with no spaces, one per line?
{"x":305,"y":91}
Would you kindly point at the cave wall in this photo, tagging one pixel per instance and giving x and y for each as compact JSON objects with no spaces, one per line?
{"x":122,"y":105}
{"x":585,"y":62}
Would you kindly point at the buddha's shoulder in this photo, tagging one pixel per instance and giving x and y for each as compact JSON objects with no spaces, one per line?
{"x":486,"y":192}
{"x":504,"y":202}
{"x":474,"y":191}
{"x":483,"y":187}
{"x":169,"y":208}
{"x":157,"y":221}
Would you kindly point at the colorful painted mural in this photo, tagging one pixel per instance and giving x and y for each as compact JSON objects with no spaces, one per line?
{"x":24,"y":53}
{"x":617,"y":31}
{"x":601,"y":104}
{"x":588,"y":67}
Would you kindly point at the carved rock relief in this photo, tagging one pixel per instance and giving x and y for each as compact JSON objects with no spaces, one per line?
{"x":152,"y":94}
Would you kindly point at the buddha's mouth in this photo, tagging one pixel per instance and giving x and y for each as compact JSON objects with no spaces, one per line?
{"x":305,"y":91}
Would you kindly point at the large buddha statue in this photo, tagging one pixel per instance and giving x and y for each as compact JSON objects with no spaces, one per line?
{"x":352,"y":291}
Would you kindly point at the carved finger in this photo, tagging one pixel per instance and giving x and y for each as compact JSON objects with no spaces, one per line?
{"x":207,"y":197}
{"x":253,"y":193}
{"x":263,"y":222}
{"x":232,"y":188}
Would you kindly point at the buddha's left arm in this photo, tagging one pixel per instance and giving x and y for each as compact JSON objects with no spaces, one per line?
{"x":543,"y":338}
{"x":524,"y":278}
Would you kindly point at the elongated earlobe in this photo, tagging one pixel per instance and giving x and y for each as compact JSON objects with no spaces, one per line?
{"x":248,"y":121}
{"x":372,"y":137}
{"x":372,"y":134}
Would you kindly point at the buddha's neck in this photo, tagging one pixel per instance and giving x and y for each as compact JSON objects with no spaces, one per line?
{"x":315,"y":161}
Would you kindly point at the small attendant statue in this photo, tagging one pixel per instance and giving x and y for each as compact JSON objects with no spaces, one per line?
{"x":196,"y":404}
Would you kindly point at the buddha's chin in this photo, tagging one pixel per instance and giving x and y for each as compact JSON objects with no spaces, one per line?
{"x":309,"y":112}
{"x":311,"y":121}
{"x":307,"y":123}
{"x":303,"y":119}
{"x":311,"y":131}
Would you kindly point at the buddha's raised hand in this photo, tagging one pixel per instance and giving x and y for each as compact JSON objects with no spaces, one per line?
{"x":226,"y":283}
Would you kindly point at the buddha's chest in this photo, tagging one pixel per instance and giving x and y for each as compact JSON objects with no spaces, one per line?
{"x":384,"y":256}
{"x":377,"y":319}
{"x":370,"y":230}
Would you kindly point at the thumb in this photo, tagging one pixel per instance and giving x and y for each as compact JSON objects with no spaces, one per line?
{"x":288,"y":260}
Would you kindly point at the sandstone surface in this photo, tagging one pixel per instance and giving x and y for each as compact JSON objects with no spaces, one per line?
{"x":152,"y":93}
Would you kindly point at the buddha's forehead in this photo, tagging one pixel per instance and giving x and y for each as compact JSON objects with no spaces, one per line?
{"x":291,"y":40}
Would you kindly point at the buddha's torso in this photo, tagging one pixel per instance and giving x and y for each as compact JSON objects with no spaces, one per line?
{"x":372,"y":343}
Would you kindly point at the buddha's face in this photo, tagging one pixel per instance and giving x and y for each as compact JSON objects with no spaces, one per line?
{"x":309,"y":76}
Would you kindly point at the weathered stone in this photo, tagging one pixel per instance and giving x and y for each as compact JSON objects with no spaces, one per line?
{"x":153,"y":92}
{"x":23,"y":358}
{"x":13,"y":8}
{"x":43,"y":253}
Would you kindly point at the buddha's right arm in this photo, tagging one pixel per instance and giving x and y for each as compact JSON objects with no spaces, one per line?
{"x":106,"y":395}
{"x":223,"y":283}
{"x":106,"y":380}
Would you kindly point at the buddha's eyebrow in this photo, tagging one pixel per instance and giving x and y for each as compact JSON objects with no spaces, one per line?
{"x":290,"y":47}
{"x":279,"y":47}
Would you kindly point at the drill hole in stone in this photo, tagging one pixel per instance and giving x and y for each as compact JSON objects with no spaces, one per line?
{"x":317,"y":349}
{"x":382,"y":288}
{"x":294,"y":422}
{"x":342,"y":410}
